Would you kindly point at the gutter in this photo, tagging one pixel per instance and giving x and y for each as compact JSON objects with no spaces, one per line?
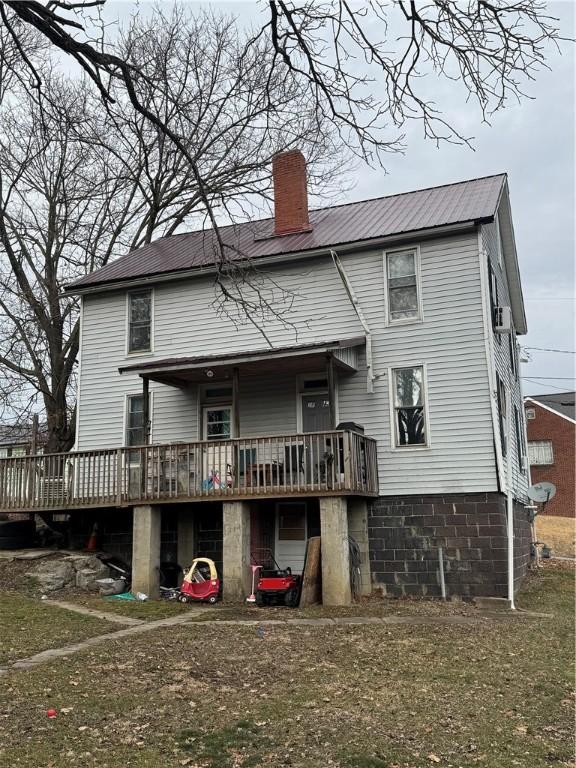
{"x":370,"y":377}
{"x":164,"y":277}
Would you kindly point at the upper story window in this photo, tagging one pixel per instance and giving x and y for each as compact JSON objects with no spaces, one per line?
{"x":140,"y":321}
{"x":409,"y":406}
{"x":530,"y":413}
{"x":513,"y":354}
{"x":493,"y":286}
{"x":403,"y":286}
{"x":541,"y":452}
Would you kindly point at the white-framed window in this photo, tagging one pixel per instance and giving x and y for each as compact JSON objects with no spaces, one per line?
{"x":499,"y":246}
{"x":409,"y":407}
{"x":503,"y":415}
{"x":519,"y":439}
{"x":540,"y":452}
{"x":217,"y":422}
{"x":139,"y":321}
{"x":135,"y":432}
{"x":530,"y":413}
{"x":403,"y":292}
{"x":513,"y":353}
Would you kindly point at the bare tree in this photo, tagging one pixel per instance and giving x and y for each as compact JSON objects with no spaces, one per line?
{"x":79,"y":185}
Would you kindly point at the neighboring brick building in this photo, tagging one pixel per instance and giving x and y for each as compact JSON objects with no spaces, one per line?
{"x":551,"y":428}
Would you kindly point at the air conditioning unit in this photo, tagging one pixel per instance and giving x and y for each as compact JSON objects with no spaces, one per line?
{"x":502,"y":320}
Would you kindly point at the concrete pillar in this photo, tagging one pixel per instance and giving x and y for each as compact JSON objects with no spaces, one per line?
{"x":236,"y":575}
{"x":146,"y":550}
{"x":186,"y":544}
{"x":335,"y":558}
{"x":358,"y":529}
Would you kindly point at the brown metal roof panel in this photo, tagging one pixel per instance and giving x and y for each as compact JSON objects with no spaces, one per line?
{"x":370,"y":219}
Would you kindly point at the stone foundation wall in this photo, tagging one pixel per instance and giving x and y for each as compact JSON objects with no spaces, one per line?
{"x":405,"y":533}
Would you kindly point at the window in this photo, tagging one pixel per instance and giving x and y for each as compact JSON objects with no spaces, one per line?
{"x":493,"y":286}
{"x":540,"y":452}
{"x":409,"y":406}
{"x":140,"y":321}
{"x":530,"y":414}
{"x":218,"y":423}
{"x":135,"y":421}
{"x":291,"y":522}
{"x":519,"y":439}
{"x":513,"y":354}
{"x":402,"y":286}
{"x":499,"y":245}
{"x":502,"y":410}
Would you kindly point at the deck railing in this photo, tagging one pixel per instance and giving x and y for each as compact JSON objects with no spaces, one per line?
{"x":321,"y":462}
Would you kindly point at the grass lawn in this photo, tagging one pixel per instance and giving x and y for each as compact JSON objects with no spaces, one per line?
{"x":27,"y":626}
{"x":496,"y":693}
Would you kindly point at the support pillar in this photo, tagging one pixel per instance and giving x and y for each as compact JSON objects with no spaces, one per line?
{"x":186,"y":544}
{"x":335,"y":557}
{"x":146,"y":550}
{"x":358,"y":528}
{"x":236,"y":575}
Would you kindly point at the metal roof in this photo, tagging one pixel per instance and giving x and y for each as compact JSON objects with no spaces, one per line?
{"x":465,"y":201}
{"x":561,"y":402}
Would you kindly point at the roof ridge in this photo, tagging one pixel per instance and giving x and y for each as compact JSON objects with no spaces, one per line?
{"x":338,"y":205}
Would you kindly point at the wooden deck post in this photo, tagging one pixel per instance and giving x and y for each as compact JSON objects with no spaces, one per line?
{"x":331,"y":390}
{"x":235,"y":402}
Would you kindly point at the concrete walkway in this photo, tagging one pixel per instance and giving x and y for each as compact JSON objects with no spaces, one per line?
{"x":115,"y":618}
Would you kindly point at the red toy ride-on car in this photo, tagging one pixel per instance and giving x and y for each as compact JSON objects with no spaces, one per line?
{"x":201,"y":583}
{"x":278,"y":587}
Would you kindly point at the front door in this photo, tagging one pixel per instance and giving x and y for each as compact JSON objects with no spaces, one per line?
{"x":217,"y":430}
{"x":316,"y":412}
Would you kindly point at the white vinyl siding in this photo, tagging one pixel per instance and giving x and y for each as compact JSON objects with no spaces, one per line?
{"x":502,"y":348}
{"x":449,"y":342}
{"x":540,"y":452}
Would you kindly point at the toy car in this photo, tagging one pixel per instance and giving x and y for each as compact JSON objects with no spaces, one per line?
{"x":278,"y":587}
{"x":201,"y":583}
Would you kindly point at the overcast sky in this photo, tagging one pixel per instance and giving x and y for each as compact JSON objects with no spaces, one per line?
{"x":534,"y":143}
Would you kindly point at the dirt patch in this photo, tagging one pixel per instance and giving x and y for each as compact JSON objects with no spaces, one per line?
{"x":559,"y":533}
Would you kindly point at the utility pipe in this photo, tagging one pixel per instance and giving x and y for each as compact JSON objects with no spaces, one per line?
{"x":509,"y":501}
{"x":358,"y":309}
{"x":442,"y":578}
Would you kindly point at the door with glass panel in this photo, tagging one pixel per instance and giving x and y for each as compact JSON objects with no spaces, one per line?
{"x":218,"y":456}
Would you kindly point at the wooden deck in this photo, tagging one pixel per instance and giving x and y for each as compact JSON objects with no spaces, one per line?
{"x":319,"y":464}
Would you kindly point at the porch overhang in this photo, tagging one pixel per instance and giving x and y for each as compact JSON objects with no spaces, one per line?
{"x":304,"y":358}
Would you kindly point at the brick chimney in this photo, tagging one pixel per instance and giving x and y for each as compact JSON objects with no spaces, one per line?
{"x":290,"y":193}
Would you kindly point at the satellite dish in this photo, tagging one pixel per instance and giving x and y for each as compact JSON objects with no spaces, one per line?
{"x":542,"y":492}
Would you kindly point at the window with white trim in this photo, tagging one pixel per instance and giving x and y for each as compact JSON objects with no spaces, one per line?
{"x":540,"y":452}
{"x":530,"y":414}
{"x":409,"y":407}
{"x":140,"y":321}
{"x":135,"y":420}
{"x":503,"y":414}
{"x":402,"y":286}
{"x":519,"y":439}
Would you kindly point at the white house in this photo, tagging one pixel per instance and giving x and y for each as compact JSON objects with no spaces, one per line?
{"x":378,"y":392}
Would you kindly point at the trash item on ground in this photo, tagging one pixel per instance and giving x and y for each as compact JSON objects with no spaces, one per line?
{"x":110,"y":586}
{"x":44,"y":597}
{"x":201,"y":583}
{"x":122,"y":596}
{"x":51,"y":713}
{"x":141,"y":596}
{"x":260,"y":632}
{"x":169,"y":593}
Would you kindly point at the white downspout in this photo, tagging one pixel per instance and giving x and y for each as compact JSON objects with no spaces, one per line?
{"x":509,"y":500}
{"x":358,"y":309}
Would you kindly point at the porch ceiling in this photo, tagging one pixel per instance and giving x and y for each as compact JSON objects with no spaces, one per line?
{"x":310,"y":358}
